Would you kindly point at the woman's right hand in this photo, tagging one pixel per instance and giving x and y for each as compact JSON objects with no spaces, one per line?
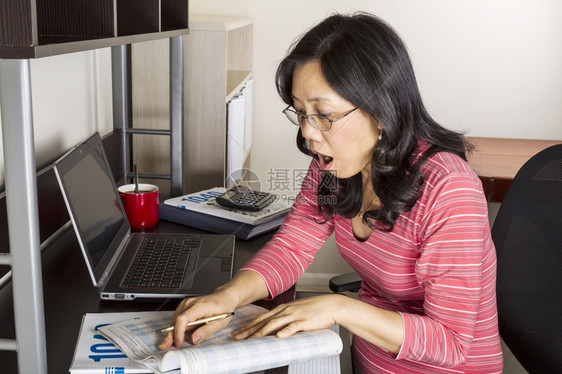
{"x":244,"y":288}
{"x":195,"y":308}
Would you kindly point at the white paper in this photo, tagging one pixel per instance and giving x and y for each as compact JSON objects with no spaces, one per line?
{"x":95,"y":354}
{"x":220,"y":353}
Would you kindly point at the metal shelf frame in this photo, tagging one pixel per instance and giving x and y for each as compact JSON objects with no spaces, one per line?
{"x":122,"y":113}
{"x":21,"y":186}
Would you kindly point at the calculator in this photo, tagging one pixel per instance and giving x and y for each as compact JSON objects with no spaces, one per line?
{"x":240,"y":197}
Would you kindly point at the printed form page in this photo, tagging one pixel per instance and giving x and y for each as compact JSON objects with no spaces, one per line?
{"x":220,"y":353}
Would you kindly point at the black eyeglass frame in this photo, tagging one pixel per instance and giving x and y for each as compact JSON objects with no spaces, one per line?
{"x":300,"y":117}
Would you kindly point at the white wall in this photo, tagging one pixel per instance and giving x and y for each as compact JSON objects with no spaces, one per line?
{"x":492,"y":68}
{"x":71,"y":99}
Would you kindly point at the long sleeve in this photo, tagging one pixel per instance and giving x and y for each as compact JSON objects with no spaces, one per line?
{"x":452,"y":269}
{"x":287,"y":255}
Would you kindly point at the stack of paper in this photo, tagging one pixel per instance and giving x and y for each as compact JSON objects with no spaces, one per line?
{"x":200,"y":210}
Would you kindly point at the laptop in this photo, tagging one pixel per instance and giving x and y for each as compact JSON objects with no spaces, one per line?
{"x":113,"y":254}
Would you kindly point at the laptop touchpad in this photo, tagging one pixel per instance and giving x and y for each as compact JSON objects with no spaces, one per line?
{"x":210,"y":264}
{"x":215,"y":264}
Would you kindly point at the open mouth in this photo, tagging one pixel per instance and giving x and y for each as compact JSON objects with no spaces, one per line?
{"x":325,"y":161}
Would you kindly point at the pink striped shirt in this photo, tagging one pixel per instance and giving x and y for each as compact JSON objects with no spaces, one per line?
{"x":437,"y":268}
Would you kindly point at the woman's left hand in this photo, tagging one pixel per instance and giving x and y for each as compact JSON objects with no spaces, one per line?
{"x":313,"y":313}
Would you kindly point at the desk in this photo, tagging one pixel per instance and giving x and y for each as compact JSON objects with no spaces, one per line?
{"x":497,"y":160}
{"x":69,"y":294}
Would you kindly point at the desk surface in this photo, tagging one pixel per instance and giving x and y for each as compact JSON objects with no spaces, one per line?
{"x":68,"y":294}
{"x":497,"y":157}
{"x":497,"y":160}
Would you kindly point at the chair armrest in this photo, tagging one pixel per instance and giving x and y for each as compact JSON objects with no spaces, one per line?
{"x":345,"y":282}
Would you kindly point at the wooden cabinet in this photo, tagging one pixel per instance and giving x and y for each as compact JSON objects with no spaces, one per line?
{"x":218,"y":62}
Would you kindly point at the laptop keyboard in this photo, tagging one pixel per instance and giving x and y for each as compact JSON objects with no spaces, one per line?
{"x":163,"y":262}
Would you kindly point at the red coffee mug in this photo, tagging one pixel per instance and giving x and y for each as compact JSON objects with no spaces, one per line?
{"x":141,"y":207}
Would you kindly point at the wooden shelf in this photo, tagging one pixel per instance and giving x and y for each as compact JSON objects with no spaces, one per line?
{"x":218,"y":63}
{"x":41,"y":28}
{"x":59,"y":21}
{"x":235,"y":80}
{"x":137,"y":17}
{"x":173,"y":15}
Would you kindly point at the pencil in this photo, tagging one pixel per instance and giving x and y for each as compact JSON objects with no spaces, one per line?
{"x":202,"y":321}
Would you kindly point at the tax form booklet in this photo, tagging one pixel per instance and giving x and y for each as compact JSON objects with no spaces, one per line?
{"x":134,"y":346}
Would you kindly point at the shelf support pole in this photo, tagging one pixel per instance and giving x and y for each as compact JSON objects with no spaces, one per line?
{"x":176,"y":115}
{"x":22,"y":210}
{"x":122,"y":103}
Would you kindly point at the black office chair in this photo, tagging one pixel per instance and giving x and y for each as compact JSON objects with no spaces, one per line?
{"x":527,"y":233}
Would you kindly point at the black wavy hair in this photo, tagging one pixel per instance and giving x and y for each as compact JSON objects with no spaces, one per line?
{"x":365,"y":62}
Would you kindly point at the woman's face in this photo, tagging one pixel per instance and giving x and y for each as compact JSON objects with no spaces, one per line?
{"x":346,"y":148}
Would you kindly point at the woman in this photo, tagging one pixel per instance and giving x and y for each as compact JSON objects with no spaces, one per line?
{"x":407,"y":212}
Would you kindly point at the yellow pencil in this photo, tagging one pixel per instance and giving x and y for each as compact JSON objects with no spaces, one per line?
{"x":202,"y":321}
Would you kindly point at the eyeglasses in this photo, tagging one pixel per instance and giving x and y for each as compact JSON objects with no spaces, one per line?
{"x":318,"y":121}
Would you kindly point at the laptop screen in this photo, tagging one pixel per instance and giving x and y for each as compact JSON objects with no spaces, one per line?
{"x":93,"y":202}
{"x":96,"y":209}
